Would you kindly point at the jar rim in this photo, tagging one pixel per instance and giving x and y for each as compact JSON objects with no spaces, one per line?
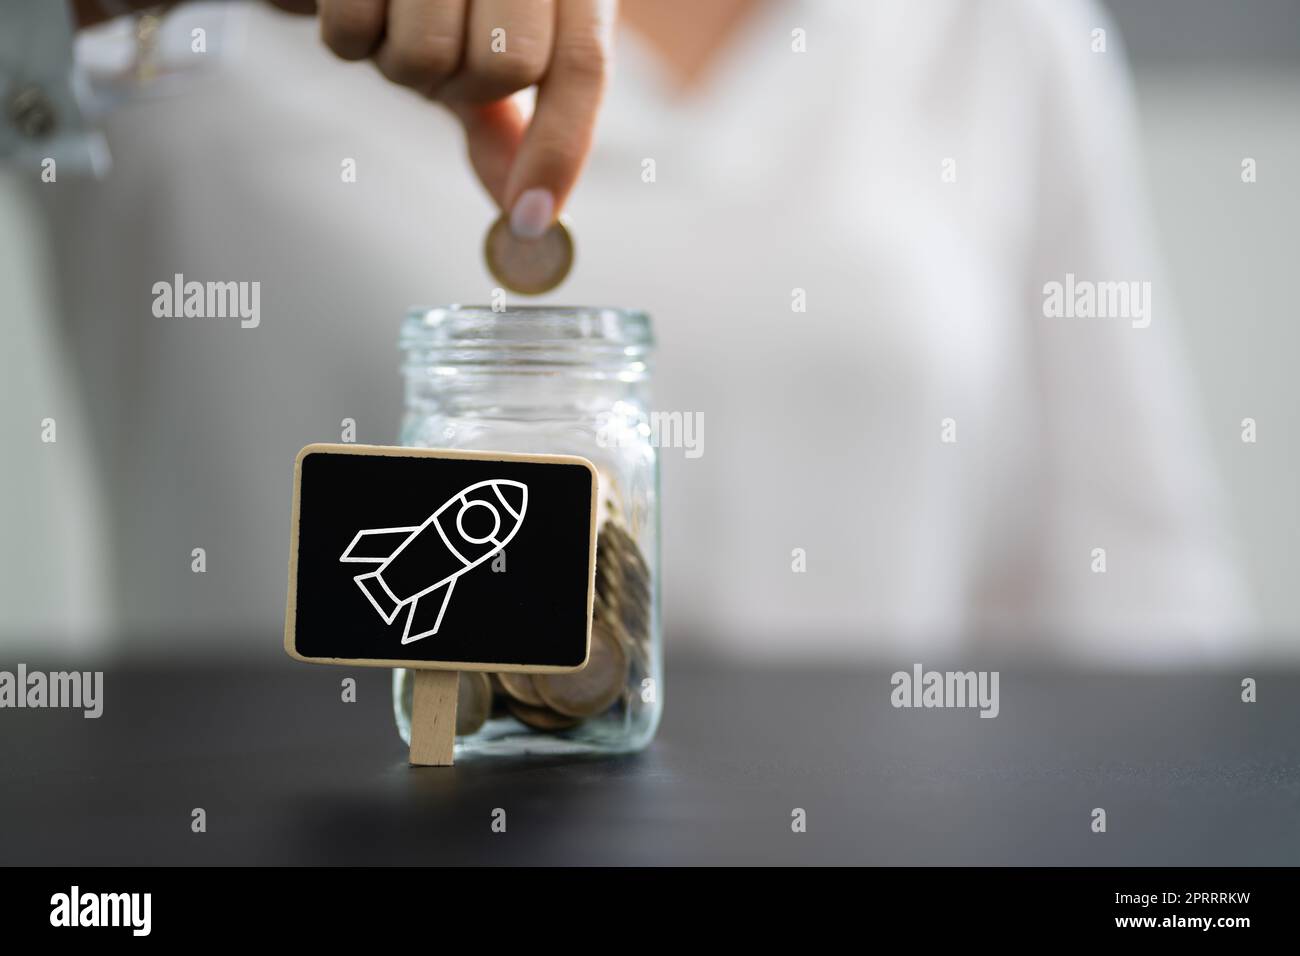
{"x":466,"y":326}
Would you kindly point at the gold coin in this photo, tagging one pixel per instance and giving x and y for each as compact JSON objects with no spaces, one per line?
{"x":473,"y":702}
{"x":636,"y":645}
{"x":591,"y":690}
{"x":520,"y":687}
{"x":539,"y":718}
{"x":528,"y":266}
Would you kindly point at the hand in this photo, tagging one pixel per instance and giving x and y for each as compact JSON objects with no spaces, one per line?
{"x":472,"y":55}
{"x":88,"y":13}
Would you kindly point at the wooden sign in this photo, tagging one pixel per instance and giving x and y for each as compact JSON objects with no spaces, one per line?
{"x":441,"y":561}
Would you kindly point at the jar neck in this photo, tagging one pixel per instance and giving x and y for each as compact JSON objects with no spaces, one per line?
{"x":528,"y":363}
{"x":532,"y":394}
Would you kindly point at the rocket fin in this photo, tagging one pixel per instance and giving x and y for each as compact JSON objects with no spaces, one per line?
{"x":376,"y":546}
{"x":378,"y":595}
{"x":421,"y":622}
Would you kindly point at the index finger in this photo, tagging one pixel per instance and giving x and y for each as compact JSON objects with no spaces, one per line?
{"x":558,"y":140}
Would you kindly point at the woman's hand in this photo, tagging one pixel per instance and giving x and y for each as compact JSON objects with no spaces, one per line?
{"x":472,"y":55}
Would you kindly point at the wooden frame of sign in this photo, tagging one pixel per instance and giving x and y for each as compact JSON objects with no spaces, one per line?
{"x":412,"y":544}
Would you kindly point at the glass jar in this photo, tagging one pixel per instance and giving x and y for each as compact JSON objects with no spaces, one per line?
{"x":554,"y":380}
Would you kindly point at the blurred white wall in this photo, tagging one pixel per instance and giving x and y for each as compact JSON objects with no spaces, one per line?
{"x":53,"y":586}
{"x":1232,"y":251}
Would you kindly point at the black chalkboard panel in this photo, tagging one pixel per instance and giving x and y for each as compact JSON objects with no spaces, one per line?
{"x":415,"y":557}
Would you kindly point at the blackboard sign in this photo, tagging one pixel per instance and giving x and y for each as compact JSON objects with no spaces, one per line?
{"x":448,"y":560}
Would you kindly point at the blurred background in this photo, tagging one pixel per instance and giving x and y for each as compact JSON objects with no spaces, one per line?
{"x":1214,"y":82}
{"x":1207,"y":75}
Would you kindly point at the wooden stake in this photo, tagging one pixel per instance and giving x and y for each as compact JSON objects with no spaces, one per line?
{"x":433,"y":718}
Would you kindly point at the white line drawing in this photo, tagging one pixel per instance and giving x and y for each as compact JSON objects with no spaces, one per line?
{"x":402,"y":554}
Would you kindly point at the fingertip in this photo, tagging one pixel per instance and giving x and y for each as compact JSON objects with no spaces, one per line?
{"x":532,"y":213}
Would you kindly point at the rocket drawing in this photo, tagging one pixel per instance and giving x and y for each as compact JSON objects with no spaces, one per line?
{"x":418,"y":566}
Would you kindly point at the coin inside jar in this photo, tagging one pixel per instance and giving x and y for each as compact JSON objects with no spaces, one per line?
{"x":591,"y":690}
{"x":528,"y":266}
{"x":520,"y":687}
{"x":539,"y":718}
{"x":473,"y":702}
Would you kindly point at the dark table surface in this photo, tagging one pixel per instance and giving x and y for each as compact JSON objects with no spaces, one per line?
{"x":287,"y":773}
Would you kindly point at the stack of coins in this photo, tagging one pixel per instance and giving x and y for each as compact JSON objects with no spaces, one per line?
{"x":620,"y":647}
{"x":623,"y":594}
